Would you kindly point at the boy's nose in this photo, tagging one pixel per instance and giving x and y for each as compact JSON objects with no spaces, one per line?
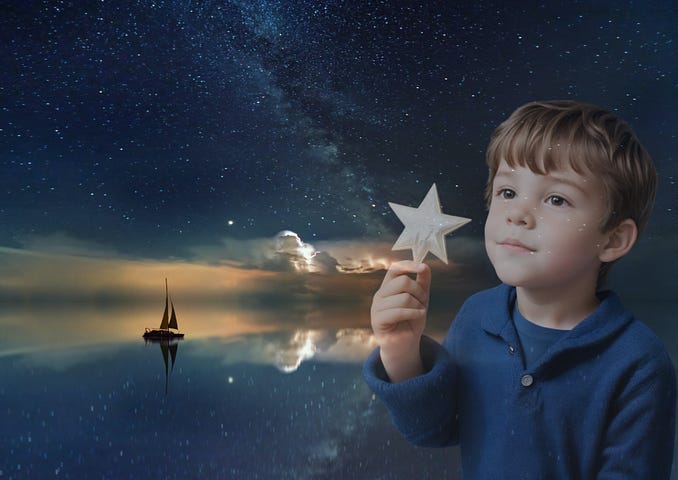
{"x":520,"y":214}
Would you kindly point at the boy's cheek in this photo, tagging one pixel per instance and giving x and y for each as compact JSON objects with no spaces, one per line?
{"x":491,"y":223}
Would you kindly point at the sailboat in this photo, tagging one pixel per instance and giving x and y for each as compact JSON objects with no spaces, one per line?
{"x":168,"y":326}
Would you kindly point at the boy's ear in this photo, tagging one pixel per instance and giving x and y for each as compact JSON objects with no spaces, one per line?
{"x":619,"y":241}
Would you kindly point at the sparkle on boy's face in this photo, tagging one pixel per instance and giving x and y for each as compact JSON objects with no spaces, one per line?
{"x":544,"y":230}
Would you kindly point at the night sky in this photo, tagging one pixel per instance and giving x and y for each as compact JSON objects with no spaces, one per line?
{"x":143,"y":140}
{"x":152,"y":127}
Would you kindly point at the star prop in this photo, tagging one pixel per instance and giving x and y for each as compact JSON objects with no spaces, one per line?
{"x":425,"y":227}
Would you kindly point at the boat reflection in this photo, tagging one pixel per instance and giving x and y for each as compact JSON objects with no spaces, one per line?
{"x":168,"y":347}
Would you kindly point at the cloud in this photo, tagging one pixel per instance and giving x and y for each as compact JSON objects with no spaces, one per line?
{"x":355,"y":256}
{"x":284,"y":269}
{"x":283,"y":252}
{"x":256,"y":253}
{"x":59,"y":243}
{"x":42,"y":276}
{"x":300,"y":254}
{"x":287,"y":251}
{"x":279,"y":269}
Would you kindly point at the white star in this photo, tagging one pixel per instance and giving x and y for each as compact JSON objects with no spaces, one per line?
{"x":426,"y":227}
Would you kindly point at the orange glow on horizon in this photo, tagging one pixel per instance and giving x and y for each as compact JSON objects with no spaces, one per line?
{"x":87,"y":276}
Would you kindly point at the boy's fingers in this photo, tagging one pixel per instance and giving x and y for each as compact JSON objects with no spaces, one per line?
{"x":396,"y":315}
{"x":424,"y":280}
{"x":402,"y":268}
{"x":401,"y":300}
{"x":404,"y":285}
{"x":398,"y":280}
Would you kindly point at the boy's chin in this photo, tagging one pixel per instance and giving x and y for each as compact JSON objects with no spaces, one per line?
{"x":516,"y":279}
{"x":508,"y":274}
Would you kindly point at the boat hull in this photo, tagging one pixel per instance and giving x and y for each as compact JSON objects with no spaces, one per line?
{"x":158,"y":333}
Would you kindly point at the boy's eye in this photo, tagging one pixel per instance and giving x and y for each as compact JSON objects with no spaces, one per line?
{"x":506,"y":193}
{"x":557,"y":201}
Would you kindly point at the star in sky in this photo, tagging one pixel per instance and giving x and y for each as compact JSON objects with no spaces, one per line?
{"x":426,"y":227}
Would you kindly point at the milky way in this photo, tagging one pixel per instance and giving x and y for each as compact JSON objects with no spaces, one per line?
{"x":153,"y":126}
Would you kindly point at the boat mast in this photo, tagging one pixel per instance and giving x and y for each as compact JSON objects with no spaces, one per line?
{"x":164,"y":324}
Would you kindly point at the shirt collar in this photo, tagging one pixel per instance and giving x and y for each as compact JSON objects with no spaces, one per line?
{"x":605,"y":321}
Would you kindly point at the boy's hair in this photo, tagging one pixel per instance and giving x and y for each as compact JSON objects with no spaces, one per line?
{"x":546,"y":136}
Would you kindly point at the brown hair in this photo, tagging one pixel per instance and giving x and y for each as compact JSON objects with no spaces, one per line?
{"x":546,"y":136}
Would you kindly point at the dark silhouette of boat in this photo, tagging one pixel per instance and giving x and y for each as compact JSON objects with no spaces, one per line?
{"x":169,"y":329}
{"x":168,"y":347}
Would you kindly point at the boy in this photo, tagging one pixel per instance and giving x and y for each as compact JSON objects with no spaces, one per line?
{"x":545,"y":376}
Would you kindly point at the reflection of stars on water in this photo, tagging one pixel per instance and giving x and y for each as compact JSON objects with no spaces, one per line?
{"x":426,"y":227}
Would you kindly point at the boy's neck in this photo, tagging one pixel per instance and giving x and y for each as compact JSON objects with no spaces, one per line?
{"x":558,"y":308}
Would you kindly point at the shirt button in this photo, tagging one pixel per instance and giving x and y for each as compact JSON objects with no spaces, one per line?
{"x":526,"y":380}
{"x":511,"y":349}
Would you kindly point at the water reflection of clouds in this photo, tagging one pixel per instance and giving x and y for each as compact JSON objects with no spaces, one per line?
{"x":62,"y":335}
{"x":287,"y":350}
{"x":59,"y":357}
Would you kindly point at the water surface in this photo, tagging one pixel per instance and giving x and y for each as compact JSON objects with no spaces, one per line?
{"x":251,"y":394}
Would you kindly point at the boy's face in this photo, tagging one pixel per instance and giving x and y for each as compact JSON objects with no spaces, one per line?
{"x":543,"y":231}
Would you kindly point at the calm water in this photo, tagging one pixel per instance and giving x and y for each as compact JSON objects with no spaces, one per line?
{"x":83,"y":396}
{"x":251,"y":394}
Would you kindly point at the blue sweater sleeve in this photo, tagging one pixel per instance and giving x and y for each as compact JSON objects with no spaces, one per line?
{"x":640,"y":438}
{"x":422,"y":408}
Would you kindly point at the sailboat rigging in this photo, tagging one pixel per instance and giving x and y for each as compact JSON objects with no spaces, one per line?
{"x":169,"y":327}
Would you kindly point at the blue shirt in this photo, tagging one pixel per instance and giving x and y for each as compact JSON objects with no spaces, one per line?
{"x":599,"y":404}
{"x":534,"y":339}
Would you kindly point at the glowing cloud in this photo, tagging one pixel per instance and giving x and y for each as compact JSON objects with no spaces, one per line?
{"x":300,"y":254}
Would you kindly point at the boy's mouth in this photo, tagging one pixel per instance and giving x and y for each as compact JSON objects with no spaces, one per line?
{"x":515,"y":245}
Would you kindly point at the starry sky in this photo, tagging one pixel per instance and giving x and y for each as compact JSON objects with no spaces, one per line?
{"x":143,"y":140}
{"x":152,"y":127}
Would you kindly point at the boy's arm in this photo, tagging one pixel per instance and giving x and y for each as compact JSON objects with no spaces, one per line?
{"x":409,"y":372}
{"x":640,"y":439}
{"x":422,"y":407}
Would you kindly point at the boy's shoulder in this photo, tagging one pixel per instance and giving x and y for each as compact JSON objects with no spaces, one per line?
{"x":626,"y":330}
{"x":640,"y":357}
{"x":637,"y":340}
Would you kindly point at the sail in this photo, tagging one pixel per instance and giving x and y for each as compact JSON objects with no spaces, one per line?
{"x":173,"y":319}
{"x":164,"y":324}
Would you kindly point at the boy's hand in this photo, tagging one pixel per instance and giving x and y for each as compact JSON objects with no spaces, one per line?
{"x":398,"y":318}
